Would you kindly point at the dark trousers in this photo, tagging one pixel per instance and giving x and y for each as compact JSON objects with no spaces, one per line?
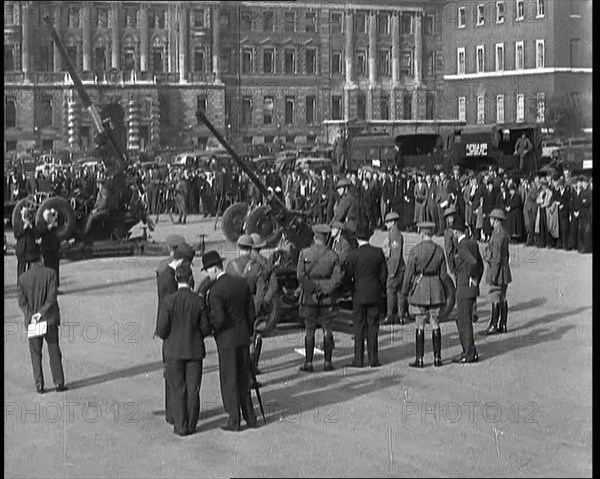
{"x":184,"y":378}
{"x":52,"y":261}
{"x":366,"y":324}
{"x":235,"y":377}
{"x":22,"y":265}
{"x":563,"y":231}
{"x":464,"y":322}
{"x":35,"y":349}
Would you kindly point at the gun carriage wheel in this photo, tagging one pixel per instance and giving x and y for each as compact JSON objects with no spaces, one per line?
{"x":65,"y":216}
{"x":233,"y":221}
{"x":262,"y":222}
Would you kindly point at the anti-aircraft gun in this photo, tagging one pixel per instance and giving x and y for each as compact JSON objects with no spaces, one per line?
{"x":270,"y":221}
{"x":70,"y":217}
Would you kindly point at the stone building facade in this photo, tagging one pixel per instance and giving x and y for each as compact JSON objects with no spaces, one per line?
{"x":513,"y":60}
{"x":263,"y":72}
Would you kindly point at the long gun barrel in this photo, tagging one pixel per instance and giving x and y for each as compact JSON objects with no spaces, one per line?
{"x":102,"y":127}
{"x":294,"y":224}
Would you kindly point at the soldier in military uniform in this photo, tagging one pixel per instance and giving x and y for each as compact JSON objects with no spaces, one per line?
{"x":498,"y":274}
{"x":267,"y":304}
{"x":345,"y":209}
{"x":319,"y":274}
{"x":422,"y":285}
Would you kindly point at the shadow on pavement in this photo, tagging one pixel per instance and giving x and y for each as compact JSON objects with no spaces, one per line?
{"x":122,"y":373}
{"x":111,"y":285}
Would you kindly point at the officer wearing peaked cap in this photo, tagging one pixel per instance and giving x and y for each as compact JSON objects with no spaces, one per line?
{"x":498,"y":274}
{"x":422,"y":285}
{"x":319,"y":274}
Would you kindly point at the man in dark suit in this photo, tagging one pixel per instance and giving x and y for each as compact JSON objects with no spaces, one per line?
{"x":564,"y":199}
{"x":167,"y":284}
{"x":232,"y":318}
{"x":183,"y":325}
{"x":25,"y":235}
{"x":395,"y":270}
{"x":468,"y":269}
{"x":50,"y":244}
{"x":36,"y":296}
{"x":367,"y":269}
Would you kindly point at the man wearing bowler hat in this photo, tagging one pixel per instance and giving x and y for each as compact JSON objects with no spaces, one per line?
{"x":167,"y":284}
{"x":232,"y":318}
{"x":422,"y":285}
{"x":498,"y":274}
{"x":320,"y":275}
{"x":367,"y":271}
{"x":183,"y":325}
{"x":36,"y":295}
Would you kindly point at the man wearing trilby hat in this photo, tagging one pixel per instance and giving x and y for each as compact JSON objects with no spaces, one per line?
{"x":498,"y":274}
{"x":232,"y":318}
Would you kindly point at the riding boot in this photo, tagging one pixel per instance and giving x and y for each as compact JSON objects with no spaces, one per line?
{"x":328,"y":353}
{"x":503,"y":316}
{"x":493,"y":326}
{"x":309,"y":348}
{"x":436,"y":339}
{"x":257,"y":350}
{"x":420,"y":348}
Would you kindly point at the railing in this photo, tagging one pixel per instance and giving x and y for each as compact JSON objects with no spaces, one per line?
{"x":108,"y":77}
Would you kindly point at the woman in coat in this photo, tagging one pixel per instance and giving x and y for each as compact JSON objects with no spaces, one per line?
{"x":420,"y":197}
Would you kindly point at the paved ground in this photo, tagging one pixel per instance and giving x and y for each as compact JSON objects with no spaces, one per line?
{"x":524,"y":410}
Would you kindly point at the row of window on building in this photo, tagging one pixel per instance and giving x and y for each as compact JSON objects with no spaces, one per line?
{"x":268,"y":115}
{"x":251,"y":62}
{"x":500,"y":116}
{"x":519,"y":63}
{"x":250,"y":21}
{"x":489,"y":13}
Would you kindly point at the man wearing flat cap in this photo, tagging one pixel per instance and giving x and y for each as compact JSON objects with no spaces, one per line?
{"x":320,"y":274}
{"x":265,"y":301}
{"x":422,"y":285}
{"x":232,"y":319}
{"x":346,"y":208}
{"x":167,"y":284}
{"x":395,"y":270}
{"x":36,"y":295}
{"x":183,"y":325}
{"x":498,"y":274}
{"x":173,"y":241}
{"x":367,"y":271}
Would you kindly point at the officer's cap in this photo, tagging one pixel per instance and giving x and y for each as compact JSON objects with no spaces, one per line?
{"x":450,"y":211}
{"x":343,"y":183}
{"x":175,"y":240}
{"x":393,"y":216}
{"x":498,"y":214}
{"x":257,"y":241}
{"x":321,"y":229}
{"x":426,"y":226}
{"x":184,"y":251}
{"x":245,"y":240}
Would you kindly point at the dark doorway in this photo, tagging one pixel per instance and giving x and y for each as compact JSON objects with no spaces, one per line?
{"x":116,"y":114}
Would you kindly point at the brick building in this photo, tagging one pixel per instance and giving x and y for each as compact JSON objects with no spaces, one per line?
{"x":512,"y":60}
{"x":264,"y":72}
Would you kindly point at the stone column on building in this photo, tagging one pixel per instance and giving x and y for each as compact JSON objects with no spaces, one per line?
{"x":216,"y":43}
{"x":133,"y":125}
{"x":171,"y":35}
{"x":418,"y":56}
{"x":57,"y":12}
{"x":395,"y":48}
{"x":87,"y":37}
{"x":349,"y":35}
{"x":115,"y":35}
{"x":372,"y":47}
{"x":26,"y":39}
{"x":144,"y":37}
{"x":154,"y":123}
{"x":183,"y":42}
{"x":72,"y":121}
